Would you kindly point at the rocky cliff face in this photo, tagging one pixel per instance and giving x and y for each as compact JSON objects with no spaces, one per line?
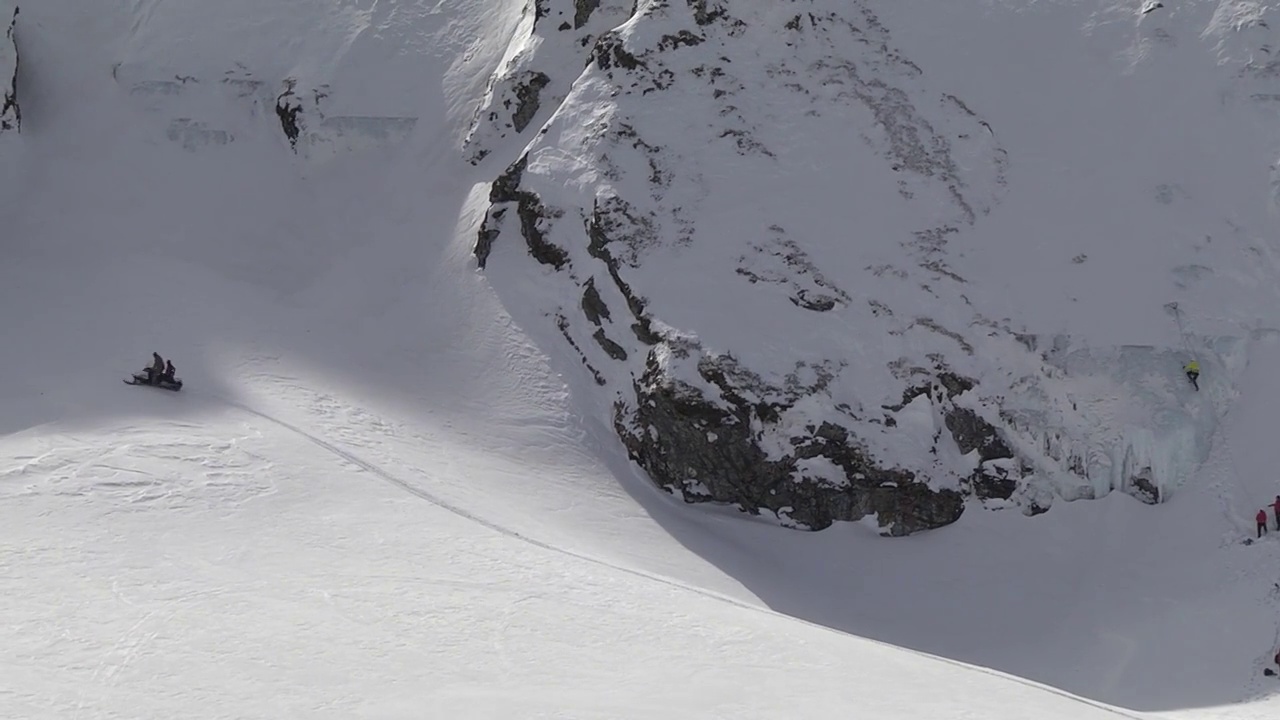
{"x":10,"y":110}
{"x":814,"y":357}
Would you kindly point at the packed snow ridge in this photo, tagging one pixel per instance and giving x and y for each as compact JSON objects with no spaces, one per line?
{"x":844,"y":350}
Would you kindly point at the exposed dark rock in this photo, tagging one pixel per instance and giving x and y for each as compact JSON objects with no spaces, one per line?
{"x":527,"y":99}
{"x":598,"y":227}
{"x":490,"y":229}
{"x":609,"y":53}
{"x":582,"y":10}
{"x":532,"y":212}
{"x":931,"y":324}
{"x":912,"y":508}
{"x":529,"y":208}
{"x":10,"y":110}
{"x":563,"y":324}
{"x":710,"y":451}
{"x":813,"y":301}
{"x":908,"y":396}
{"x":971,"y":433}
{"x":593,"y":305}
{"x":288,"y":109}
{"x":507,"y":187}
{"x":1142,"y":487}
{"x":627,"y":232}
{"x":706,"y":12}
{"x":682,"y":38}
{"x":614,"y":350}
{"x":992,"y":482}
{"x":686,"y":442}
{"x":954,"y":384}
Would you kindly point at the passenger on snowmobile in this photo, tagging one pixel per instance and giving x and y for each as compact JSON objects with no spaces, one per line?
{"x":1193,"y":373}
{"x":169,"y":370}
{"x":156,"y":370}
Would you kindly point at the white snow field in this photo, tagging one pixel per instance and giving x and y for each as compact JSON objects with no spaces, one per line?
{"x":379,"y":495}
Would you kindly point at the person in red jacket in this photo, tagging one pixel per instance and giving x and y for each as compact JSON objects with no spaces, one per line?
{"x":1262,"y":522}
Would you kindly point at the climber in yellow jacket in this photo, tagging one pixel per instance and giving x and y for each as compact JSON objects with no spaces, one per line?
{"x":1193,"y":373}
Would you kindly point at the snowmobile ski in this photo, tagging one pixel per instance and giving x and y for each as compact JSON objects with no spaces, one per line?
{"x":175,"y":386}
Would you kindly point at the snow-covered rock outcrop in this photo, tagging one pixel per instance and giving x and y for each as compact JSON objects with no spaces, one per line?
{"x":544,"y":58}
{"x":749,"y":218}
{"x":10,"y":111}
{"x":682,"y":87}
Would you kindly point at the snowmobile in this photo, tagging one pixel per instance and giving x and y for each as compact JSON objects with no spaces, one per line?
{"x":141,"y":378}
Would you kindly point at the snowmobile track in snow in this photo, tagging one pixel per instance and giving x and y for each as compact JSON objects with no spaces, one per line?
{"x":418,"y":492}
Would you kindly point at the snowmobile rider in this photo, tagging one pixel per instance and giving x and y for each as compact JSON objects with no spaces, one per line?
{"x":169,"y":370}
{"x":157,"y":368}
{"x":1193,"y":373}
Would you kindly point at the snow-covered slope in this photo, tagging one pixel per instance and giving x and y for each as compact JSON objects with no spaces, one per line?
{"x":224,"y":563}
{"x":389,"y":490}
{"x":988,"y":283}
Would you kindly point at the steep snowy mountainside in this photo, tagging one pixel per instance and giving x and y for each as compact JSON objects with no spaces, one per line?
{"x":1145,"y":161}
{"x":10,"y":110}
{"x":827,"y":260}
{"x":543,"y":60}
{"x":335,"y":79}
{"x":373,"y":497}
{"x":377,"y":497}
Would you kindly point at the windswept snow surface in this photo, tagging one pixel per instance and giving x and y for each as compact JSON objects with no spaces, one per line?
{"x":376,"y":499}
